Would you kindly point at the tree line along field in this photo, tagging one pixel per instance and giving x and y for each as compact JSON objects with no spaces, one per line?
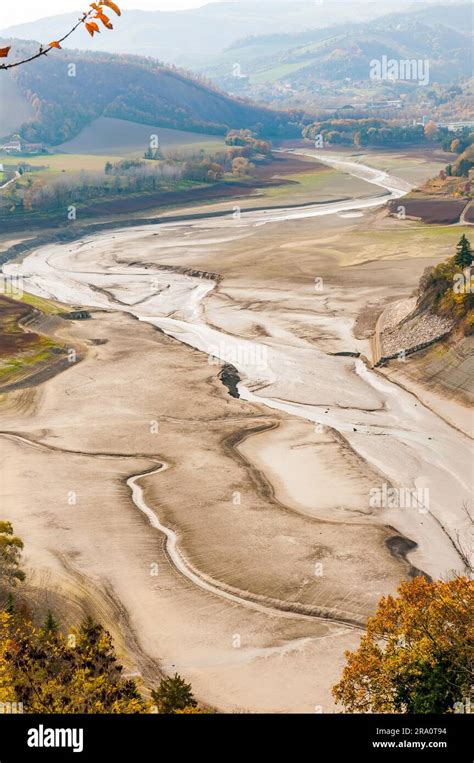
{"x":48,"y":166}
{"x":108,"y":140}
{"x":177,"y":174}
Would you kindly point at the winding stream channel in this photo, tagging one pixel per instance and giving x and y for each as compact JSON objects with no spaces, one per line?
{"x":405,"y":442}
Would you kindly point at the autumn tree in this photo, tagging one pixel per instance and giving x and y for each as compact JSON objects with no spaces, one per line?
{"x":153,"y":154}
{"x":417,"y":653}
{"x":430,"y":130}
{"x":463,"y":257}
{"x":10,"y":557}
{"x":239,"y":137}
{"x":174,"y":695}
{"x":88,"y":19}
{"x":50,"y":672}
{"x":241,"y":167}
{"x":7,"y":688}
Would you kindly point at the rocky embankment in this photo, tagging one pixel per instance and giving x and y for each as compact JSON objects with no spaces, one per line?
{"x":403,"y":329}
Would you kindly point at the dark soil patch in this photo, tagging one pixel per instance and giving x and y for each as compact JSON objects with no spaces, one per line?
{"x":12,"y":338}
{"x":288,"y":165}
{"x":399,"y":547}
{"x":437,"y":211}
{"x":229,"y":376}
{"x":469,"y":216}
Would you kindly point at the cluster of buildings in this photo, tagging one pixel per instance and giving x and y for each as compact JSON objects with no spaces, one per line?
{"x":16,"y":146}
{"x":12,"y":147}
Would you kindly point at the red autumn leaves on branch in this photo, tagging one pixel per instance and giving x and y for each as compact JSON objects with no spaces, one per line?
{"x":89,"y":19}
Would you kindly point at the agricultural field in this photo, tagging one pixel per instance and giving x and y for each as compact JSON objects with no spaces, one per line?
{"x":48,"y":167}
{"x":318,"y":184}
{"x":116,"y":137}
{"x":441,"y":211}
{"x":411,"y":165}
{"x":105,"y":140}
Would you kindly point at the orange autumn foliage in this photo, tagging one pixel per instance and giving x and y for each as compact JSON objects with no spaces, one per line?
{"x":417,"y":655}
{"x":96,"y":12}
{"x":92,"y":28}
{"x":113,"y":6}
{"x":105,"y":19}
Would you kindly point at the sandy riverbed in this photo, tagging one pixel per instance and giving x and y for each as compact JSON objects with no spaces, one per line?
{"x":269,"y":496}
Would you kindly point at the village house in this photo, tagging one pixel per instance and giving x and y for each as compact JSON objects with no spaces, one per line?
{"x":13,"y":146}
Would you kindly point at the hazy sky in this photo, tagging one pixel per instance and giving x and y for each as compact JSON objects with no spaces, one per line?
{"x":29,"y":10}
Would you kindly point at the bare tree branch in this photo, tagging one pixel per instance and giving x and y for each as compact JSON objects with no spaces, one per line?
{"x":96,"y":12}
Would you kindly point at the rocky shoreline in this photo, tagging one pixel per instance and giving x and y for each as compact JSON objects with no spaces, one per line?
{"x":401,"y":330}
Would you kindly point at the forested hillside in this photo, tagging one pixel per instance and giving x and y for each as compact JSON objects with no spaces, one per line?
{"x":343,"y":52}
{"x":69,"y":89}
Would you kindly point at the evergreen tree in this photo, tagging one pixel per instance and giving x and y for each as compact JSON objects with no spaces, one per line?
{"x":462,"y":168}
{"x":463,"y":256}
{"x":10,"y":605}
{"x":50,"y":625}
{"x":173,"y":694}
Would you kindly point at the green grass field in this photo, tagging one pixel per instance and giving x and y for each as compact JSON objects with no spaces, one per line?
{"x":307,"y":182}
{"x":47,"y":306}
{"x":53,"y":166}
{"x":275,"y":74}
{"x":320,"y":185}
{"x":108,"y":140}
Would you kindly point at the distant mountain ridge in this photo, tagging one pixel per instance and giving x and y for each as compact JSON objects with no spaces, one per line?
{"x":441,"y":34}
{"x":188,"y":37}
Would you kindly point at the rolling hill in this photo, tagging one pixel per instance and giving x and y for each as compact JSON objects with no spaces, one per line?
{"x":441,"y":34}
{"x":19,"y":108}
{"x":140,"y":90}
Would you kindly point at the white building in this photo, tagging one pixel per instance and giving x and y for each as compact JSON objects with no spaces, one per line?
{"x":14,"y":146}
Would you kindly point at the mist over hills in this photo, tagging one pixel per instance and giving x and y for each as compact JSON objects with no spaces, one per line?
{"x":189,"y":37}
{"x":441,"y":34}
